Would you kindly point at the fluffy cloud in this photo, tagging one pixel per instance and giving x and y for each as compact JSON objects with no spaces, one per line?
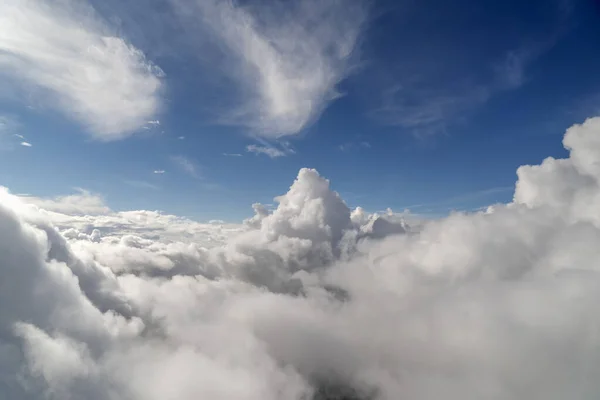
{"x":311,"y":300}
{"x":68,"y":55}
{"x":82,"y":203}
{"x":288,"y":57}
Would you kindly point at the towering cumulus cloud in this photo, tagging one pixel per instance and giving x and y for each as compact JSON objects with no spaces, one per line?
{"x":62,"y":52}
{"x":310,"y":300}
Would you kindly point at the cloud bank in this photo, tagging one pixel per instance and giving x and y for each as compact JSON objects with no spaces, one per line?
{"x":64,"y":56}
{"x":311,"y":300}
{"x":284,"y":58}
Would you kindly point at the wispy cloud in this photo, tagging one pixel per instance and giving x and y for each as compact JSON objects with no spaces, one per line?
{"x":186,"y":165}
{"x":286,"y":58}
{"x":26,"y":144}
{"x":442,"y":84}
{"x":270,"y":149}
{"x":9,"y":126}
{"x":141,"y":184}
{"x":459,"y":200}
{"x":232,"y":154}
{"x":67,"y":53}
{"x":159,"y":171}
{"x":354,"y":145}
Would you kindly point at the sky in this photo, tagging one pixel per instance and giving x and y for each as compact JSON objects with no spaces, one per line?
{"x":299,"y":200}
{"x":200,"y":108}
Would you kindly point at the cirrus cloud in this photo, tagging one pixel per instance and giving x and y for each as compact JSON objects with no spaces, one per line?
{"x":285,"y":59}
{"x":69,"y":57}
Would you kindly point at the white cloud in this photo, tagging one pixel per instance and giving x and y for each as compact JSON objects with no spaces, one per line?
{"x":82,"y":203}
{"x":232,"y":154}
{"x":187,"y":165}
{"x":310,"y":300}
{"x":266,"y":150}
{"x":285,"y":58}
{"x":26,"y":144}
{"x":69,"y":56}
{"x":159,"y":171}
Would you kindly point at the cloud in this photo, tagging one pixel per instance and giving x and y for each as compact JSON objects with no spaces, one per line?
{"x":9,"y":128}
{"x":424,"y":99}
{"x":186,"y":165}
{"x":232,"y":154}
{"x":26,"y":144}
{"x":159,"y":171}
{"x":311,"y":300}
{"x":82,"y":203}
{"x":71,"y":59}
{"x":482,"y":195}
{"x":284,"y":59}
{"x":141,"y":184}
{"x":266,"y":150}
{"x":352,"y":145}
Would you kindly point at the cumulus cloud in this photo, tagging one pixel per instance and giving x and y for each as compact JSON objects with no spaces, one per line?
{"x":286,"y":57}
{"x":70,"y":57}
{"x":311,"y":300}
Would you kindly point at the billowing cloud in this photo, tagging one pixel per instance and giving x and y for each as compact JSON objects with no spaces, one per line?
{"x":311,"y":300}
{"x":285,"y":58}
{"x":72,"y":61}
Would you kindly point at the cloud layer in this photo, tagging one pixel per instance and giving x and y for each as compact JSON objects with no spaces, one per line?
{"x":311,"y":300}
{"x":62,"y":55}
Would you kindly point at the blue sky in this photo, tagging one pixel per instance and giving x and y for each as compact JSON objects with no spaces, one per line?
{"x":424,"y":105}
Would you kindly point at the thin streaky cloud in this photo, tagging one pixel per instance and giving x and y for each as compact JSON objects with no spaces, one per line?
{"x":186,"y":165}
{"x":232,"y":154}
{"x":463,"y":198}
{"x":269,"y":151}
{"x":159,"y":171}
{"x":141,"y":184}
{"x":26,"y":144}
{"x":285,"y":59}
